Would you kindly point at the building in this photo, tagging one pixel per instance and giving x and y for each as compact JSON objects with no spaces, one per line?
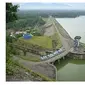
{"x":21,"y":32}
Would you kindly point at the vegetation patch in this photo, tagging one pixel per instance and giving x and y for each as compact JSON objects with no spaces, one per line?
{"x":30,"y":58}
{"x":80,"y":62}
{"x":82,"y":44}
{"x":44,"y":41}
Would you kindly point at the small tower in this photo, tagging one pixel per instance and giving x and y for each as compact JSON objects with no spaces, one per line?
{"x":76,"y":42}
{"x":77,"y":38}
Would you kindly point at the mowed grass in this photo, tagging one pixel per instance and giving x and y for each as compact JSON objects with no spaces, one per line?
{"x":30,"y":58}
{"x":44,"y":41}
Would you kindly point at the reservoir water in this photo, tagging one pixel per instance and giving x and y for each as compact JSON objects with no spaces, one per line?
{"x":69,"y":69}
{"x":74,"y":26}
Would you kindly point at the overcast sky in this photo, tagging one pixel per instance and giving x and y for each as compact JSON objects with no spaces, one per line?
{"x":26,"y":6}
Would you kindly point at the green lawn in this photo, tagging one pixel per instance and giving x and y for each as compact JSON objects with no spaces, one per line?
{"x":44,"y":41}
{"x":30,"y":58}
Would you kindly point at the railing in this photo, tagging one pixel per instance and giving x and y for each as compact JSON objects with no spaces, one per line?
{"x":57,"y":52}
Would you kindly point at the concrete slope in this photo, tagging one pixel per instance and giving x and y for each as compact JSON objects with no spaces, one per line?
{"x":65,"y":38}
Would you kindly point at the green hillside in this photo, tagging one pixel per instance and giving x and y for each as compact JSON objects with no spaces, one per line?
{"x":44,"y":41}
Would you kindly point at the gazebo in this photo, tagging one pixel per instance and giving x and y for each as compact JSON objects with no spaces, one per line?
{"x":77,"y":40}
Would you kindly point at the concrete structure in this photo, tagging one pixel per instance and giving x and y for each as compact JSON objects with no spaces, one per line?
{"x":21,"y":32}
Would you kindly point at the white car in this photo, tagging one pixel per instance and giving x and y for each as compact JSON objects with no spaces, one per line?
{"x":56,"y":52}
{"x":60,"y":50}
{"x":50,"y":55}
{"x":45,"y":57}
{"x":42,"y":58}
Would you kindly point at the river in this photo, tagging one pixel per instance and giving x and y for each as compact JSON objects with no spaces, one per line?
{"x":69,"y":69}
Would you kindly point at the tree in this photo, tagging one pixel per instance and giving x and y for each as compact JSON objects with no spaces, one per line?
{"x":11,"y":11}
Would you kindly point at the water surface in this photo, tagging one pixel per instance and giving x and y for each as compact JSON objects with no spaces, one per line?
{"x":74,"y":26}
{"x":71,"y":70}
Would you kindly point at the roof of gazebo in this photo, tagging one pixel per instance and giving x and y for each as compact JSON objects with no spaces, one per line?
{"x":77,"y":37}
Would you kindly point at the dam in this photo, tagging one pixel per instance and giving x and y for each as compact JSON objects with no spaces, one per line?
{"x":68,"y":45}
{"x":72,"y":69}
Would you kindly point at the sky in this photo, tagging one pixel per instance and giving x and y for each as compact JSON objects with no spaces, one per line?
{"x":39,"y":5}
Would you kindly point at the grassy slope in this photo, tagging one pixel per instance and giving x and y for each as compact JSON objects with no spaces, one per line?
{"x":57,"y":38}
{"x":30,"y":58}
{"x":44,"y":41}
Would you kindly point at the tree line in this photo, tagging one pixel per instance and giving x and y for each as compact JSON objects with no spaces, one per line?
{"x":24,"y":23}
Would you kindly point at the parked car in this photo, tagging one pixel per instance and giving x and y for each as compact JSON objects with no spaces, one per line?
{"x":50,"y":55}
{"x":56,"y":52}
{"x":44,"y":57}
{"x":60,"y":50}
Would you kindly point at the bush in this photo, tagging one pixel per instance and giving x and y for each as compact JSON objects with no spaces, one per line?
{"x":10,"y":67}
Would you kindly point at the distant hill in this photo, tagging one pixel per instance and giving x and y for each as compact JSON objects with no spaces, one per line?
{"x":54,"y":13}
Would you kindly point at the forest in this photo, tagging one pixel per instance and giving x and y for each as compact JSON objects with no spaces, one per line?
{"x":24,"y":23}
